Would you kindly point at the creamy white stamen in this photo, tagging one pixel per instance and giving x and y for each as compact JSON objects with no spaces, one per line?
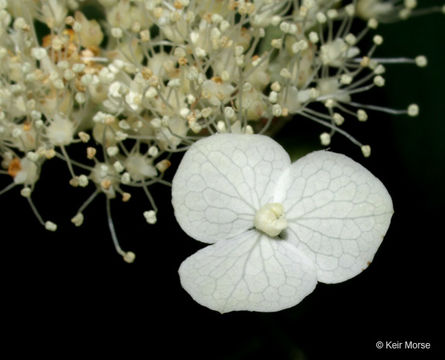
{"x":270,"y":219}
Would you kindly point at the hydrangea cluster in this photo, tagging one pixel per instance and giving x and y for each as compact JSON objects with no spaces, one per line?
{"x":142,"y":79}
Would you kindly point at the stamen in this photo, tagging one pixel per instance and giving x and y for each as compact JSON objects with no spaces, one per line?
{"x":95,"y":59}
{"x":48,"y":225}
{"x":379,"y":108}
{"x":7,"y":188}
{"x":333,"y":127}
{"x":128,"y":256}
{"x":88,"y":201}
{"x":68,"y":161}
{"x":396,"y":60}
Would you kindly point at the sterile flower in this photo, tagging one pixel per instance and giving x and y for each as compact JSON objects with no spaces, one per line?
{"x":276,"y":228}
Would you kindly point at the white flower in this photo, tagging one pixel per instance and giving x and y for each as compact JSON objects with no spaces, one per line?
{"x":60,"y":131}
{"x":28,"y":173}
{"x":140,"y":167}
{"x":238,"y":192}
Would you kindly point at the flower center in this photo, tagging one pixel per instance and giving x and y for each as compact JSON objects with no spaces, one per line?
{"x":270,"y":219}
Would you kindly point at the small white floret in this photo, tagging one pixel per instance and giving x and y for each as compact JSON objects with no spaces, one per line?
{"x":421,"y":61}
{"x":84,"y":137}
{"x":275,"y":86}
{"x":60,"y":131}
{"x":276,"y":43}
{"x":413,"y":110}
{"x":80,"y":98}
{"x":129,"y":257}
{"x":277,"y":110}
{"x":151,"y":93}
{"x":28,"y":174}
{"x":273,"y":97}
{"x":373,"y":23}
{"x":50,"y":226}
{"x":39,"y":53}
{"x":221,"y":126}
{"x":379,"y":81}
{"x":153,"y":151}
{"x":33,"y":156}
{"x":338,"y":119}
{"x":410,"y":4}
{"x":362,"y":115}
{"x":150,"y":216}
{"x":378,"y":40}
{"x":366,"y":150}
{"x":299,"y":46}
{"x":163,"y":165}
{"x":346,"y":79}
{"x":25,"y":192}
{"x":112,"y":151}
{"x":126,"y":178}
{"x":83,"y":180}
{"x":229,"y":113}
{"x":118,"y":166}
{"x":139,"y":167}
{"x":332,"y":13}
{"x":116,"y":32}
{"x":321,"y":18}
{"x":351,"y":39}
{"x":313,"y":37}
{"x":325,"y":139}
{"x":78,"y":219}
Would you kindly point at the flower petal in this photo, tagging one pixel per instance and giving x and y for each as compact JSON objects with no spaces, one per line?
{"x":249,"y":272}
{"x":337,"y":213}
{"x":222,"y":180}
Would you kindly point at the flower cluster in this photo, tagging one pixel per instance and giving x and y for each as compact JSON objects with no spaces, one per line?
{"x":141,"y":79}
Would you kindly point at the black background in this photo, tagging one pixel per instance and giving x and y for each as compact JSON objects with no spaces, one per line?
{"x":68,"y":292}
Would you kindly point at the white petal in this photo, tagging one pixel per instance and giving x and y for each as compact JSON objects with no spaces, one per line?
{"x":337,"y":213}
{"x":249,"y":272}
{"x":222,"y":180}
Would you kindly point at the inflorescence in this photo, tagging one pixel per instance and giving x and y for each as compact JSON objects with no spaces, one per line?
{"x":147,"y":78}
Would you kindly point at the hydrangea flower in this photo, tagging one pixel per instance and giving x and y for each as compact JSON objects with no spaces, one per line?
{"x":115,"y":87}
{"x":276,"y":228}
